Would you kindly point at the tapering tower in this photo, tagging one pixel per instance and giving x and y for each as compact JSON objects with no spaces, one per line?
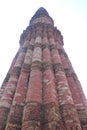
{"x":41,"y":90}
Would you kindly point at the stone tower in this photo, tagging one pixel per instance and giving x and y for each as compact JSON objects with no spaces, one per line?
{"x":41,"y":90}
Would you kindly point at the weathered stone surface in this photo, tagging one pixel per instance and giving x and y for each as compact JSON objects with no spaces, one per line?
{"x":20,"y":60}
{"x":16,"y":71}
{"x":46,"y":65}
{"x":16,"y":111}
{"x":51,"y":126}
{"x":34,"y":92}
{"x":32,"y":111}
{"x":28,"y":57}
{"x":26,"y":67}
{"x":57,"y":67}
{"x":13,"y":127}
{"x":49,"y":88}
{"x":26,"y":44}
{"x":31,"y":125}
{"x":36,"y":65}
{"x":46,"y":57}
{"x":38,"y":38}
{"x":37,"y":54}
{"x":6,"y":100}
{"x":70,"y":116}
{"x":41,"y":90}
{"x":50,"y":113}
{"x":15,"y":116}
{"x":44,"y":46}
{"x":3,"y":117}
{"x":64,"y":61}
{"x":32,"y":116}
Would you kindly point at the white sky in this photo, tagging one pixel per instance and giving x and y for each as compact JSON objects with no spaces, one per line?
{"x":70,"y":17}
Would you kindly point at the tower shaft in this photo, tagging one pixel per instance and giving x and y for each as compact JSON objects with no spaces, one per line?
{"x":41,"y":90}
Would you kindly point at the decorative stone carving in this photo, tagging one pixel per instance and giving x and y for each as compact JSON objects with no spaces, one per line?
{"x":36,"y":64}
{"x":46,"y":65}
{"x":26,"y":67}
{"x":57,"y":67}
{"x":32,"y":111}
{"x":41,"y":90}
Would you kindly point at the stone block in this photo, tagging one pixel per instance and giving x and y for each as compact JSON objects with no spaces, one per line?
{"x":28,"y":57}
{"x":3,"y":117}
{"x":37,"y":54}
{"x":16,"y":71}
{"x":32,"y":111}
{"x":35,"y":86}
{"x":58,"y":67}
{"x":51,"y":126}
{"x":36,"y":65}
{"x":46,"y":56}
{"x":31,"y":125}
{"x":20,"y":59}
{"x":15,"y":116}
{"x":26,"y":67}
{"x":50,"y":113}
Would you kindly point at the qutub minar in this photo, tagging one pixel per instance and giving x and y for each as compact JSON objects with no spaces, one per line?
{"x":41,"y":90}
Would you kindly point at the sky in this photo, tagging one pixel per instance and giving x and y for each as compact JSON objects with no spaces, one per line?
{"x":70,"y":17}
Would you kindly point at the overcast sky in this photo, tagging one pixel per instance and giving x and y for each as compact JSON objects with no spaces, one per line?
{"x":70,"y":17}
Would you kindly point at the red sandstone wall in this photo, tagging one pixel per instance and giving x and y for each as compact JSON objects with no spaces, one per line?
{"x":41,"y":90}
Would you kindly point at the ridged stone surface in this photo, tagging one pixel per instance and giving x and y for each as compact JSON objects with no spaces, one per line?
{"x":41,"y":90}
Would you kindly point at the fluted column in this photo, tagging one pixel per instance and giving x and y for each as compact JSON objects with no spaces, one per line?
{"x":77,"y":92}
{"x":75,"y":87}
{"x":51,"y":115}
{"x":32,"y":109}
{"x":7,"y":97}
{"x":15,"y":116}
{"x":74,"y":84}
{"x":41,"y":90}
{"x":66,"y":103}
